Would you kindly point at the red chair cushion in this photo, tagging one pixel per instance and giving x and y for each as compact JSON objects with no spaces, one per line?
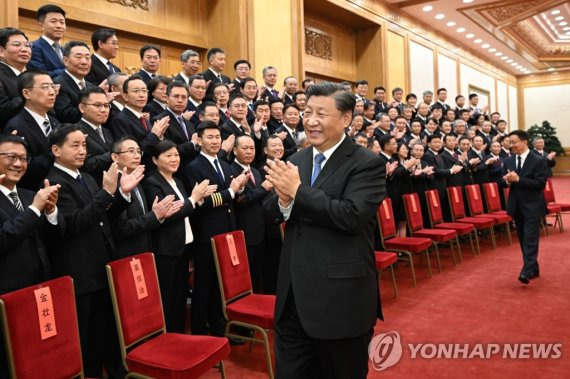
{"x":413,"y":211}
{"x":173,"y":355}
{"x":385,"y":259}
{"x":553,"y":208}
{"x":498,"y":218}
{"x":253,"y":309}
{"x":385,"y":217}
{"x":478,"y":222}
{"x":492,"y":196}
{"x":411,"y":244}
{"x":499,"y":213}
{"x":459,"y":227}
{"x":436,"y":235}
{"x":235,"y":278}
{"x":565,"y":207}
{"x":434,"y":206}
{"x":474,"y":197}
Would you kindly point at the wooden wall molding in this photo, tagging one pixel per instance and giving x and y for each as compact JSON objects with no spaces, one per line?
{"x":142,"y":4}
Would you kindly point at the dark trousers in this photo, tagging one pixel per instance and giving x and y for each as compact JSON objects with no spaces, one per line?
{"x":173,"y":280}
{"x":298,"y":356}
{"x":271,"y":264}
{"x":98,"y":334}
{"x":207,"y":315}
{"x":255,"y":255}
{"x":528,"y":230}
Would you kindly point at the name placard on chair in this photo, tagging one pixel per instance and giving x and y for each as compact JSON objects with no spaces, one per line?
{"x":413,"y":200}
{"x":492,"y":191}
{"x":232,"y":249}
{"x":434,"y":199}
{"x":475,"y":195}
{"x":455,"y":196}
{"x":138,"y":277}
{"x":386,"y":211}
{"x":46,"y":313}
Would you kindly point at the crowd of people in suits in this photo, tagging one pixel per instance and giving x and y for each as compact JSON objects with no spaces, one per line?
{"x":97,"y":165}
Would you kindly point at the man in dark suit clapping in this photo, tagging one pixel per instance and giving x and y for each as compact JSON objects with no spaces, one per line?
{"x":106,"y":46}
{"x":526,"y":174}
{"x":327,"y":291}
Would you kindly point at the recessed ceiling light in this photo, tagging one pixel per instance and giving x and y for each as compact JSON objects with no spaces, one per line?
{"x":559,"y":18}
{"x":555,"y":12}
{"x":460,"y":30}
{"x":566,"y":28}
{"x":439,"y":16}
{"x":492,"y":50}
{"x":551,"y":69}
{"x":563,"y":23}
{"x":498,"y":54}
{"x":504,"y":58}
{"x":509,"y":60}
{"x":485,"y":46}
{"x":519,"y":66}
{"x":468,"y":1}
{"x":451,"y":23}
{"x":478,"y":40}
{"x":514,"y":64}
{"x":470,"y":35}
{"x":427,"y":8}
{"x":567,"y":33}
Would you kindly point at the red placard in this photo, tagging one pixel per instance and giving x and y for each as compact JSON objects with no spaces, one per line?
{"x":232,"y":249}
{"x":455,"y":196}
{"x":434,"y":199}
{"x":46,"y":313}
{"x":492,"y":191}
{"x":475,"y":195}
{"x":414,"y":208}
{"x":138,"y":277}
{"x":386,"y":210}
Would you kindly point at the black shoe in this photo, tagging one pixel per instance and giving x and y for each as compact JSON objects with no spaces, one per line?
{"x":534,"y":275}
{"x":524,"y":279}
{"x":235,"y":341}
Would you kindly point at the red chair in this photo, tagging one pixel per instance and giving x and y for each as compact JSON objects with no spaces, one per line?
{"x":476,"y":207}
{"x":24,"y":312}
{"x":146,"y":348}
{"x":553,"y":208}
{"x":550,"y":210}
{"x":240,"y":305}
{"x":492,"y":199}
{"x":385,"y":259}
{"x":416,"y":226}
{"x":455,"y":197}
{"x":404,"y":245}
{"x":436,"y":221}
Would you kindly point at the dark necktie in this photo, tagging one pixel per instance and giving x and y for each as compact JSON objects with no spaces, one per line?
{"x":143,"y":122}
{"x":81,"y":84}
{"x":275,"y":94}
{"x":219,"y":171}
{"x":111,"y":68}
{"x":220,"y":78}
{"x":100,"y":132}
{"x":82,"y":183}
{"x":14,"y":196}
{"x":182,"y":125}
{"x":519,"y":164}
{"x":47,"y":127}
{"x":319,"y":158}
{"x":58,"y":51}
{"x":139,"y":198}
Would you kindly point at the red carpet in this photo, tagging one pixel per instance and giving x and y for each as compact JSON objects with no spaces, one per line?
{"x":478,"y":301}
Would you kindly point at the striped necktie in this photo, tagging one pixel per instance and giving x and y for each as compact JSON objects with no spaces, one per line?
{"x":14,"y":196}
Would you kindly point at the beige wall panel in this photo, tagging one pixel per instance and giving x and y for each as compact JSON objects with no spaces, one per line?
{"x":343,"y":49}
{"x":503,"y":103}
{"x":421,"y":69}
{"x":447,"y":77}
{"x":548,"y":103}
{"x":513,"y":109}
{"x":395,"y":58}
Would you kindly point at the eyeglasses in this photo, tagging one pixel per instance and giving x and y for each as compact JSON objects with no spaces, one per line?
{"x":139,"y":90}
{"x":13,"y":157}
{"x":19,"y":45}
{"x":199,"y":87}
{"x":47,"y":87}
{"x":131,"y":152}
{"x":99,"y":105}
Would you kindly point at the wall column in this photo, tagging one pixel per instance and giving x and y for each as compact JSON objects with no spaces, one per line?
{"x":9,"y":13}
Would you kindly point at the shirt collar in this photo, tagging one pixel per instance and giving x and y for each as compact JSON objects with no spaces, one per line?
{"x":14,"y":70}
{"x":449,"y":151}
{"x":136,"y":113}
{"x":118,"y":105}
{"x":289,"y":130}
{"x":209,"y":158}
{"x":48,"y":40}
{"x":75,"y":79}
{"x":329,"y":152}
{"x":185,"y":77}
{"x":525,"y":154}
{"x":214,"y":71}
{"x":386,"y":155}
{"x":149,"y":73}
{"x":190,"y":99}
{"x":162,"y":105}
{"x":174,"y":113}
{"x":7,"y":191}
{"x":434,"y":152}
{"x":236,"y":123}
{"x":95,"y":127}
{"x":73,"y":174}
{"x":39,"y":118}
{"x":104,"y":60}
{"x":246,"y":167}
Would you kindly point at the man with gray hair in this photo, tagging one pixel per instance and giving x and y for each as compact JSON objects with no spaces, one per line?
{"x":269,"y":79}
{"x":191,"y":63}
{"x":115,"y":83}
{"x":459,"y":128}
{"x":428,"y":97}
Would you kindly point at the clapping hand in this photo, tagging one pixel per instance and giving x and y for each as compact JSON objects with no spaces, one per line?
{"x":130,"y":181}
{"x":285,"y":179}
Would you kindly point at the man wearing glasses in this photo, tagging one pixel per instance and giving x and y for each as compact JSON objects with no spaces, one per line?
{"x":106,"y":45}
{"x":34,"y":124}
{"x":16,"y":52}
{"x":94,"y":108}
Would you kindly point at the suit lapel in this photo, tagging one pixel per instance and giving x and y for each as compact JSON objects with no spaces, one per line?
{"x":336,"y":160}
{"x":36,"y":130}
{"x":9,"y":206}
{"x":50,"y":52}
{"x":206,"y":163}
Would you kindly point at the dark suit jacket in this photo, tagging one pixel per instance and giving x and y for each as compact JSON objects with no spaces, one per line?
{"x":273,"y":125}
{"x":10,"y":100}
{"x":37,"y":146}
{"x":144,"y":76}
{"x":448,"y":162}
{"x":216,"y":214}
{"x":381,"y":107}
{"x":195,"y":119}
{"x":23,"y":243}
{"x":88,"y":243}
{"x":98,"y":151}
{"x":170,"y":238}
{"x":328,"y":254}
{"x":180,"y":79}
{"x":132,"y":228}
{"x":549,"y":162}
{"x":175,"y":133}
{"x":268,"y":95}
{"x":67,"y":101}
{"x":289,"y":143}
{"x":99,"y":71}
{"x":45,"y":58}
{"x":213,"y":79}
{"x":440,"y":173}
{"x":527,"y":196}
{"x":481,"y":171}
{"x":127,"y":123}
{"x":112,"y":114}
{"x":249,"y":215}
{"x":229,"y":128}
{"x":154,"y":108}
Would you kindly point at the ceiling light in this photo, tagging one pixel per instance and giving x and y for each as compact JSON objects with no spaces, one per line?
{"x":485,"y":46}
{"x":498,"y":54}
{"x":519,"y":66}
{"x":468,"y":1}
{"x":504,"y":58}
{"x":559,"y":18}
{"x":509,"y":60}
{"x":492,"y":50}
{"x":563,"y":23}
{"x":470,"y":35}
{"x":567,"y":33}
{"x":514,"y":64}
{"x":551,"y":69}
{"x":555,"y":12}
{"x":451,"y":23}
{"x":460,"y":30}
{"x":478,"y":40}
{"x":427,"y":8}
{"x":441,"y":16}
{"x":566,"y":28}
